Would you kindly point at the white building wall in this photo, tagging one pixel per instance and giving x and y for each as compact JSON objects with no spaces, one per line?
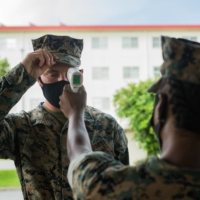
{"x":114,"y":56}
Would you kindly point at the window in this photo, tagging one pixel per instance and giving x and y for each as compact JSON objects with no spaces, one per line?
{"x":13,"y":110}
{"x":100,"y":73}
{"x":101,"y":103}
{"x":11,"y":43}
{"x":131,"y":72}
{"x":156,"y":72}
{"x":156,"y":42}
{"x":193,"y":38}
{"x":8,"y":43}
{"x":35,"y":102}
{"x":2,"y":43}
{"x":129,"y":42}
{"x":99,"y":43}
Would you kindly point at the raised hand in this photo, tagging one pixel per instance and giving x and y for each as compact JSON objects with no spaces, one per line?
{"x":37,"y":62}
{"x":73,"y":103}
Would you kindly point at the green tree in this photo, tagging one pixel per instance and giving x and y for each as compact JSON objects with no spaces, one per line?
{"x":4,"y":67}
{"x":136,"y":104}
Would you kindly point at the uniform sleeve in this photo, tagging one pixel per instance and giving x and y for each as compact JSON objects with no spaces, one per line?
{"x":121,"y":145}
{"x":12,"y":86}
{"x":95,"y":175}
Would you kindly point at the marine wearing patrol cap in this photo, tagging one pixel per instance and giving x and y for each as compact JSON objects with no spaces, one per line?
{"x":66,"y":48}
{"x":181,"y":61}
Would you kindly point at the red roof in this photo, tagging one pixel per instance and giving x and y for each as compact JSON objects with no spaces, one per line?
{"x":100,"y":27}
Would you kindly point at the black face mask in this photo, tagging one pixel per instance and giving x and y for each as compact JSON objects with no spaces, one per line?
{"x":163,"y":111}
{"x":52,"y":91}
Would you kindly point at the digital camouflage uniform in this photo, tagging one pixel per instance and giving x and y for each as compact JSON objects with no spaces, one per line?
{"x":98,"y":176}
{"x":36,"y":141}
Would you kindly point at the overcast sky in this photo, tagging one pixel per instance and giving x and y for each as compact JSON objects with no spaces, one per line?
{"x":99,"y":12}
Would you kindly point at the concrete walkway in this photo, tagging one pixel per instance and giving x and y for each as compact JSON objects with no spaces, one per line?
{"x":11,"y":194}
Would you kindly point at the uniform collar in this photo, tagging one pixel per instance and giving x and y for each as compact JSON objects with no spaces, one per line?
{"x":160,"y":166}
{"x":41,"y":116}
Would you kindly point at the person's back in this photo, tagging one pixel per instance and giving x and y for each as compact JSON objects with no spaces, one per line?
{"x":154,"y":179}
{"x":175,"y":120}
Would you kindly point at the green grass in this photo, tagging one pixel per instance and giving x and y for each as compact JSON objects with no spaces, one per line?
{"x":9,"y":178}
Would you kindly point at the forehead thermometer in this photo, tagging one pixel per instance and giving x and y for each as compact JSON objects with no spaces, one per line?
{"x":75,"y":78}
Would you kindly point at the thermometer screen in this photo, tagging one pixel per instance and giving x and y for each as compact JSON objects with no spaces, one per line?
{"x":77,"y":79}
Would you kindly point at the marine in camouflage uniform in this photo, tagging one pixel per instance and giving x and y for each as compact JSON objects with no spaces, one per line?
{"x":96,"y":175}
{"x":36,"y":140}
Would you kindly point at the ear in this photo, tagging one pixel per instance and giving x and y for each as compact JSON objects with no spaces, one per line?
{"x":39,"y":82}
{"x":159,"y":108}
{"x":81,"y":70}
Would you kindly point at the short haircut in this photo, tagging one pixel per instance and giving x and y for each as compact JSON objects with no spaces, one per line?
{"x":184,"y":99}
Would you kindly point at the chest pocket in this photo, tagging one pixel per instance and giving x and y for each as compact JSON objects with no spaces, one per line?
{"x":39,"y":155}
{"x":102,"y":146}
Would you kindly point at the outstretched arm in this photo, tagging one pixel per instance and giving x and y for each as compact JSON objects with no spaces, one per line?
{"x":73,"y":106}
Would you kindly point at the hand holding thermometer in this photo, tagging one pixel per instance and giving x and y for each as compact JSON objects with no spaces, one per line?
{"x":75,"y":78}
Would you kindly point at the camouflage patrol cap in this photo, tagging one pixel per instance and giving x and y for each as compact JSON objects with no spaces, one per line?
{"x":181,"y":61}
{"x":66,"y":48}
